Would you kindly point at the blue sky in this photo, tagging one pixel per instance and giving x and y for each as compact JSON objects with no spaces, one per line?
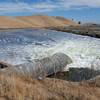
{"x":79,"y":10}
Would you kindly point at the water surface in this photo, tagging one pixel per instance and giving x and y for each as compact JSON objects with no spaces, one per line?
{"x":24,"y":45}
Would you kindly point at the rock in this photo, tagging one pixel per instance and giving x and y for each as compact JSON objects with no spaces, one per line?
{"x":4,"y":65}
{"x":44,"y":67}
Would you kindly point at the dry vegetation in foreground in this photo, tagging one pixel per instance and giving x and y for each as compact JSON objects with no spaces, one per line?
{"x":15,"y":87}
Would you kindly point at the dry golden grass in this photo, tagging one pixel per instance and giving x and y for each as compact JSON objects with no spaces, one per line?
{"x":33,"y":21}
{"x":15,"y":87}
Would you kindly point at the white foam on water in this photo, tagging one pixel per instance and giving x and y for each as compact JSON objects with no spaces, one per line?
{"x":83,"y":53}
{"x":83,"y":50}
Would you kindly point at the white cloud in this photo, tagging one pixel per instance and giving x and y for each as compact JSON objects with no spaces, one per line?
{"x":24,"y":7}
{"x":88,"y":3}
{"x":48,"y":6}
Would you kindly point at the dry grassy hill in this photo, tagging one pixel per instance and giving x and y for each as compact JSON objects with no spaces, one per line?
{"x":33,"y":21}
{"x":14,"y":87}
{"x":12,"y":22}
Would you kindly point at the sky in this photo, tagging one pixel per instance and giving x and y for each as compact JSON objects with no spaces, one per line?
{"x":79,"y":10}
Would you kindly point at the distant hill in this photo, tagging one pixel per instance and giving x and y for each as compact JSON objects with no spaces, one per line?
{"x":33,"y":21}
{"x":91,"y":25}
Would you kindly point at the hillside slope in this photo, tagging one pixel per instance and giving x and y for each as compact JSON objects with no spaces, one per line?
{"x":11,"y":22}
{"x":33,"y":21}
{"x":14,"y":87}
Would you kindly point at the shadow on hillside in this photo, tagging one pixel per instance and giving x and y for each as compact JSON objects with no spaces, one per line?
{"x":76,"y":74}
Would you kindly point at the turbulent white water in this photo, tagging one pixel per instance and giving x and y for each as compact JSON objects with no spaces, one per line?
{"x":19,"y":46}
